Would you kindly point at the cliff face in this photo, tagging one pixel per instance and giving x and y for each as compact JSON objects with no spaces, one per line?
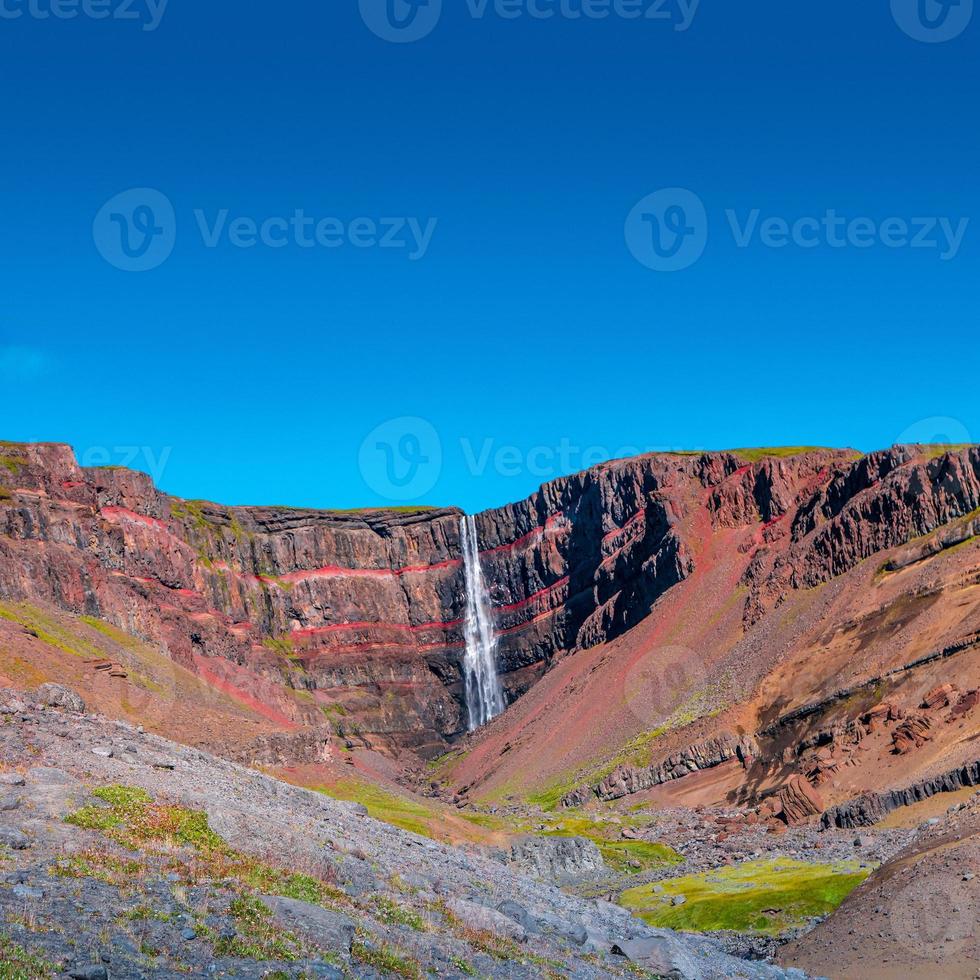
{"x":354,"y":620}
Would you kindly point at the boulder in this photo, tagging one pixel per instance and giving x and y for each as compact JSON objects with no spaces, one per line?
{"x":912,"y":733}
{"x":940,"y":697}
{"x":484,"y":919}
{"x":559,"y":859}
{"x":331,"y":930}
{"x":966,"y":704}
{"x":800,"y":801}
{"x":57,"y":696}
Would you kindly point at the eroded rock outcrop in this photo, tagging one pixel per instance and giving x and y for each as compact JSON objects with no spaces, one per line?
{"x":799,"y":802}
{"x":867,"y":810}
{"x":712,"y":752}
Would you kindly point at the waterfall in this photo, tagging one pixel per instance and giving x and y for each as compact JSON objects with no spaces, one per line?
{"x":484,"y":695}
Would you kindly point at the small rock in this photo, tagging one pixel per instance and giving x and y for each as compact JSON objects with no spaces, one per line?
{"x":14,"y":839}
{"x":93,"y":972}
{"x":9,"y":801}
{"x":102,"y":751}
{"x":331,"y":929}
{"x":57,"y":696}
{"x":11,"y":779}
{"x":188,"y":934}
{"x":678,"y":900}
{"x":481,"y":918}
{"x":25,"y":891}
{"x":969,"y":876}
{"x":519,"y":914}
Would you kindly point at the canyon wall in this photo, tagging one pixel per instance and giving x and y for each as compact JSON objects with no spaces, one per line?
{"x":353,"y":620}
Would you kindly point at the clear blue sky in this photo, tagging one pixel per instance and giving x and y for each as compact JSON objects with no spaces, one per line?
{"x":527,"y":332}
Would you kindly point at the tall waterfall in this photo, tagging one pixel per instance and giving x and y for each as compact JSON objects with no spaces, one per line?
{"x":484,"y":695}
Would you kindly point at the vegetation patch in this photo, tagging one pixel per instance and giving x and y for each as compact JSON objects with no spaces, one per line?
{"x":257,"y":936}
{"x":390,"y":911}
{"x":102,"y":866}
{"x":16,"y":963}
{"x":765,"y":897}
{"x":620,"y":854}
{"x":47,"y":630}
{"x":386,"y":959}
{"x":382,"y":805}
{"x":131,"y":818}
{"x":759,"y":453}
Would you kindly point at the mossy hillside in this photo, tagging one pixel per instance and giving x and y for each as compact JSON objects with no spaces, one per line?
{"x":620,"y":854}
{"x":48,"y":630}
{"x":386,"y":806}
{"x":764,"y":897}
{"x":153,"y":831}
{"x":16,"y":963}
{"x":757,"y":454}
{"x":12,"y":459}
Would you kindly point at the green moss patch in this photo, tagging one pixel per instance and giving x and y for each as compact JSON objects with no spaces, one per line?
{"x":16,"y":963}
{"x":765,"y":897}
{"x":759,"y":453}
{"x":620,"y":854}
{"x":382,"y":805}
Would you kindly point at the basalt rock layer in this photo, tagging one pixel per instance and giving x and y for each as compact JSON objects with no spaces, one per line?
{"x":353,"y":621}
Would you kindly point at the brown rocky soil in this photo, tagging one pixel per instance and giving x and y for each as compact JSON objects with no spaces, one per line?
{"x":918,"y":916}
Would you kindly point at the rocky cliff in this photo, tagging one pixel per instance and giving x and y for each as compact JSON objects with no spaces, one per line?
{"x":353,"y":620}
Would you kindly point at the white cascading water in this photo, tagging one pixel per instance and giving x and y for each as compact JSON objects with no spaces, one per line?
{"x":484,"y":695}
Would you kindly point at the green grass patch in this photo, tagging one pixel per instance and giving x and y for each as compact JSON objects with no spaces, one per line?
{"x":548,"y":798}
{"x":934,"y":450}
{"x":258,"y":937}
{"x":759,"y":453}
{"x":390,"y":911}
{"x":619,"y":853}
{"x":765,"y":897}
{"x":382,"y":805}
{"x":17,"y":963}
{"x":102,"y":866}
{"x":386,"y":959}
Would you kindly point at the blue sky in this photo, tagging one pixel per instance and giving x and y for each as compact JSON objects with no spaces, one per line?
{"x":521,"y":336}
